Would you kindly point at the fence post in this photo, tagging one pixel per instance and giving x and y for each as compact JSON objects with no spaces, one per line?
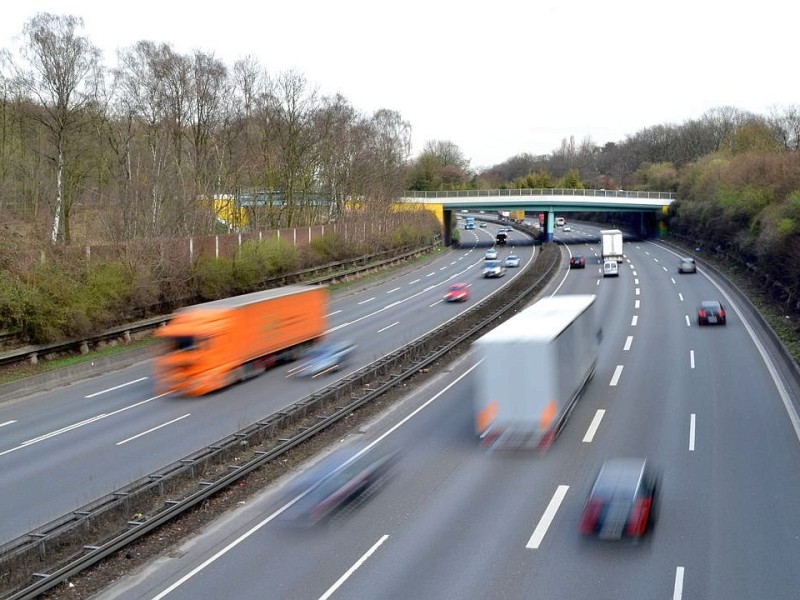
{"x":216,"y":246}
{"x":191,"y":249}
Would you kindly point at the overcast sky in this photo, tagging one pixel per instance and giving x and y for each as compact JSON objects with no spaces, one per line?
{"x":497,"y":78}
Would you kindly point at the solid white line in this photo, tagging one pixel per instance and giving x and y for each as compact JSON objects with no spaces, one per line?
{"x":688,"y":322}
{"x":616,"y":376}
{"x":691,"y":358}
{"x":634,"y":320}
{"x":116,"y":387}
{"x":547,"y":518}
{"x":637,"y":304}
{"x":283,"y":508}
{"x":352,"y":569}
{"x":390,"y":326}
{"x":367,"y":300}
{"x":638,"y":291}
{"x":392,"y":291}
{"x":628,"y":343}
{"x":415,"y":281}
{"x":7,"y":423}
{"x":598,"y":416}
{"x":138,"y":435}
{"x":678,"y":593}
{"x":680,"y":296}
{"x":691,"y":433}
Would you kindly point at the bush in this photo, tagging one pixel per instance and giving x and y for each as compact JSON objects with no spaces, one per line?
{"x":256,"y":262}
{"x":214,"y":278}
{"x":330,"y":248}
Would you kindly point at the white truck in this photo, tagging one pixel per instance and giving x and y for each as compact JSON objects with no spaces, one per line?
{"x":611,"y":244}
{"x":531,"y":370}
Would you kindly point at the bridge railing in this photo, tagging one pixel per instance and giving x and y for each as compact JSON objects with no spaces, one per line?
{"x":513,"y":193}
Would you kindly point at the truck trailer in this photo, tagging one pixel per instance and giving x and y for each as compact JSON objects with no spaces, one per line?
{"x":531,"y":370}
{"x":611,"y":244}
{"x":211,"y":345}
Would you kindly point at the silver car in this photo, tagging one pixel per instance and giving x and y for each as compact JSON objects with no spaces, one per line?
{"x":687,"y":265}
{"x":512,"y":260}
{"x":493,"y":268}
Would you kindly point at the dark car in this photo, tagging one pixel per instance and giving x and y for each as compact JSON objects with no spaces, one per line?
{"x":687,"y":265}
{"x":501,"y":238}
{"x":711,"y":312}
{"x":322,"y":359}
{"x":458,"y":292}
{"x":623,"y":500}
{"x":577,"y":262}
{"x":338,"y":481}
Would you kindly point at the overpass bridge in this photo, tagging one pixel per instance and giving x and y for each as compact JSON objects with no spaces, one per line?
{"x":547,"y":201}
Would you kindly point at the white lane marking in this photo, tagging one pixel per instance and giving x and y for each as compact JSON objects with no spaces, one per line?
{"x":297,"y":498}
{"x":547,"y":518}
{"x":688,"y":322}
{"x":392,"y":291}
{"x":691,"y":433}
{"x":454,"y":262}
{"x":638,"y":291}
{"x":634,"y":320}
{"x":678,"y":593}
{"x":598,"y":282}
{"x":332,"y":329}
{"x":352,"y":569}
{"x":680,"y":296}
{"x":74,"y":426}
{"x":430,"y":274}
{"x":691,"y":359}
{"x":634,"y":273}
{"x":637,"y":304}
{"x":628,"y":343}
{"x":672,"y":279}
{"x":646,"y":252}
{"x":616,"y":376}
{"x":390,"y":326}
{"x":429,"y":288}
{"x":598,"y":416}
{"x":415,"y":281}
{"x":636,"y":281}
{"x":655,"y":259}
{"x":116,"y":387}
{"x":336,"y":312}
{"x":367,"y":300}
{"x":156,"y":428}
{"x":393,"y":304}
{"x":7,"y":423}
{"x":442,"y":268}
{"x":665,"y":269}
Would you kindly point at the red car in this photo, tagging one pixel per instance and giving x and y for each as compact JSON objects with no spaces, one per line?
{"x":577,"y":262}
{"x":711,"y":312}
{"x":458,"y":292}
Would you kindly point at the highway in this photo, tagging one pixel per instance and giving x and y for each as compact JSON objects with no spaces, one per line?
{"x":64,"y":448}
{"x":705,"y":405}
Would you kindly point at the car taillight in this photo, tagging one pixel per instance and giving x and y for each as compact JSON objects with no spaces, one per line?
{"x":639,"y":516}
{"x":702,"y":313}
{"x":722,"y":312}
{"x":591,"y":516}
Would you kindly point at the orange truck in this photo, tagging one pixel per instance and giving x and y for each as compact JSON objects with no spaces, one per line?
{"x":211,"y":345}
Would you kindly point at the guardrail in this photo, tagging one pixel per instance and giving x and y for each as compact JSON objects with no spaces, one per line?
{"x":511,"y":193}
{"x":313,"y":275}
{"x":61,"y":548}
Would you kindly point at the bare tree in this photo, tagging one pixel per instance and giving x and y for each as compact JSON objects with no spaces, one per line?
{"x":60,"y":70}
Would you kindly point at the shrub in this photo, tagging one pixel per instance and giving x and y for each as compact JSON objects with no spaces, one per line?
{"x":214,"y":278}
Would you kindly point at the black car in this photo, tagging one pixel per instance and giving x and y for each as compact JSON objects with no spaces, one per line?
{"x":623,"y":500}
{"x":711,"y":312}
{"x":501,"y":238}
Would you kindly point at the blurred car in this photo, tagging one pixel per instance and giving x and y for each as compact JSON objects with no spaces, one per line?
{"x":501,"y":238}
{"x":567,"y":228}
{"x":338,"y":481}
{"x":322,"y":359}
{"x":687,"y":265}
{"x":491,"y":254}
{"x":493,"y":268}
{"x":610,"y":268}
{"x":482,"y":224}
{"x":711,"y":312}
{"x":623,"y":500}
{"x":458,"y":292}
{"x":577,"y":262}
{"x":512,"y":260}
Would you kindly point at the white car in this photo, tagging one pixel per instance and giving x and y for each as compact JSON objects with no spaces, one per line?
{"x":491,"y":254}
{"x":610,"y":268}
{"x":493,"y":268}
{"x":512,"y":260}
{"x":567,"y":228}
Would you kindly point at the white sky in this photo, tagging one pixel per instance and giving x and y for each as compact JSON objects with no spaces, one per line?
{"x":497,"y":78}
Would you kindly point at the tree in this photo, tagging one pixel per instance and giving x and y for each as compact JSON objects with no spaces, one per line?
{"x":60,"y":70}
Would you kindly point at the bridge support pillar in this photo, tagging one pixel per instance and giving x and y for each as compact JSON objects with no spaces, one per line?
{"x":549,"y":223}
